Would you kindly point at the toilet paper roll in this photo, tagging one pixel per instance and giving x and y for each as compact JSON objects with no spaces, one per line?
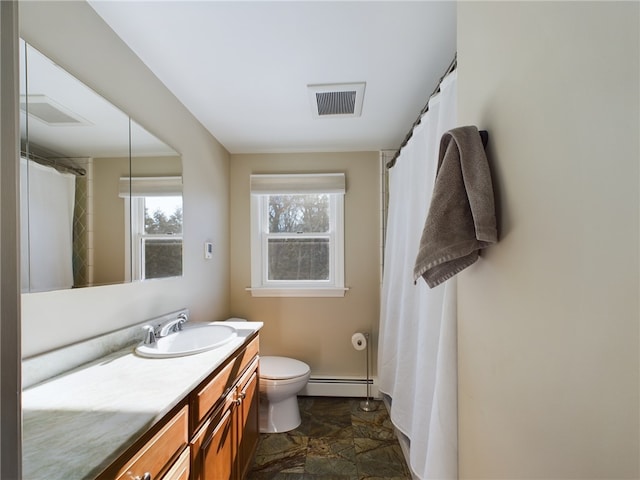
{"x":359,"y":341}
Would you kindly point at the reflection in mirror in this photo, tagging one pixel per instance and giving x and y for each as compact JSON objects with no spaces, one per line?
{"x":75,"y":230}
{"x":68,"y":133}
{"x":155,"y":206}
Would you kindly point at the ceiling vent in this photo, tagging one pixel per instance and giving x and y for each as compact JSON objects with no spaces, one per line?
{"x":48,"y":111}
{"x":336,"y":100}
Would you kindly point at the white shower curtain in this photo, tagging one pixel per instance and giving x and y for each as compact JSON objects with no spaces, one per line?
{"x":46,"y":242}
{"x":417,"y":359}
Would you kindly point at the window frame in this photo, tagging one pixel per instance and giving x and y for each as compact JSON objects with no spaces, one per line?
{"x":298,"y":184}
{"x":134,"y":190}
{"x":138,"y":237}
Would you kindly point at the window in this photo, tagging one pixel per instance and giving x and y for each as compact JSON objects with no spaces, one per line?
{"x":155,"y":234}
{"x":297,"y":232}
{"x":156,"y":249}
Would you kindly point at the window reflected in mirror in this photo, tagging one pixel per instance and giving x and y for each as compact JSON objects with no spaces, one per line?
{"x":155,"y":208}
{"x":159,"y":250}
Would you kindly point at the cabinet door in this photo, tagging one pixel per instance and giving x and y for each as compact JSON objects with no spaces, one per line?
{"x":248,"y":423}
{"x":214,"y":447}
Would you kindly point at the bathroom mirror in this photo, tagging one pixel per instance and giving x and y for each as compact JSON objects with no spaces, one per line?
{"x":78,"y":153}
{"x":155,"y":207}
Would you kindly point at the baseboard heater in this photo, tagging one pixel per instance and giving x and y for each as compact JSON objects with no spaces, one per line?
{"x":339,"y":387}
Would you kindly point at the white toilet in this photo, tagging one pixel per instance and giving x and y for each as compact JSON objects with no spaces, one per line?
{"x":281,"y":379}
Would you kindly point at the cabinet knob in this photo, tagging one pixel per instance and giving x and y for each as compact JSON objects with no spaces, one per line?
{"x":242,"y":395}
{"x":145,"y":476}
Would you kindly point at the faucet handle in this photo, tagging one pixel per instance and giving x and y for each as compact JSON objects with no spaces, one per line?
{"x":150,"y":335}
{"x":182,"y":319}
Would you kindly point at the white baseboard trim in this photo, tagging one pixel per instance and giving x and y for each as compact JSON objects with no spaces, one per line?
{"x":339,"y":387}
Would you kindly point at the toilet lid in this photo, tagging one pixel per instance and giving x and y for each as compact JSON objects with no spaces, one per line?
{"x":281,"y":368}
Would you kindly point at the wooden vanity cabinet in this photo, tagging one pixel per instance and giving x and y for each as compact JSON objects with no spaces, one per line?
{"x":213,"y":449}
{"x":211,"y":435}
{"x":162,"y":457}
{"x":222,"y":448}
{"x":248,"y":420}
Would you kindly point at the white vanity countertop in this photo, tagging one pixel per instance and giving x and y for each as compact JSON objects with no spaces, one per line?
{"x":78,"y":423}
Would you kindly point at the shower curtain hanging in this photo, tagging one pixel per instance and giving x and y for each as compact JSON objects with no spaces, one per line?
{"x":417,"y":369}
{"x":452,"y":66}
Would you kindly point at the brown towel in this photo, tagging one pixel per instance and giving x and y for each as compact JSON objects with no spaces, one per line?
{"x":461,"y":217}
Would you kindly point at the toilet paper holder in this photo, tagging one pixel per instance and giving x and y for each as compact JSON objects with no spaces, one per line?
{"x":360,"y":341}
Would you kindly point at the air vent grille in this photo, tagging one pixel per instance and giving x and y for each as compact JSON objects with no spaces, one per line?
{"x":331,"y":100}
{"x":336,"y":103}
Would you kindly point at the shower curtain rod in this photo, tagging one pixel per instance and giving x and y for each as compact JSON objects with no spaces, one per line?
{"x":451,"y":68}
{"x":51,"y":162}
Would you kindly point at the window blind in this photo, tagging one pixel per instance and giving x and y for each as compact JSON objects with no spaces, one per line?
{"x":150,"y":187}
{"x":268,"y":184}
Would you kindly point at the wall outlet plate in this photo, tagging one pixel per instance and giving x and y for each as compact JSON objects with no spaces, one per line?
{"x":208,"y":250}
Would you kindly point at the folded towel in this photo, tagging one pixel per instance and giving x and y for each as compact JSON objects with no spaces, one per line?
{"x":461,"y":218}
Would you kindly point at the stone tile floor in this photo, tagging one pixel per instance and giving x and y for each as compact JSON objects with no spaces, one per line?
{"x":336,"y":441}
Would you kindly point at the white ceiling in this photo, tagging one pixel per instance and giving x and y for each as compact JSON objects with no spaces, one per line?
{"x":242,"y":68}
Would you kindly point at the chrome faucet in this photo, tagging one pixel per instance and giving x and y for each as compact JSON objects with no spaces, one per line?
{"x":173,"y":326}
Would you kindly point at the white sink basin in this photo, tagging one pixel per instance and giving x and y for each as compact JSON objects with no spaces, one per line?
{"x":190,"y":340}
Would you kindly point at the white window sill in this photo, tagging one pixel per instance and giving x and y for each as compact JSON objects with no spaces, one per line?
{"x":297,"y":292}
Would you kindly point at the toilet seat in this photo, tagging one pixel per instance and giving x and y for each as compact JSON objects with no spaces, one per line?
{"x":282,"y":368}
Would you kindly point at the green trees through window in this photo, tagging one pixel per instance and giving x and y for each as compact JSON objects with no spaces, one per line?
{"x":158,"y":223}
{"x":162,"y":239}
{"x":298,"y":240}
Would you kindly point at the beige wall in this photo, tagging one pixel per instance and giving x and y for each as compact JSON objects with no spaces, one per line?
{"x":108,"y":220}
{"x":548,"y":319}
{"x":165,"y":166}
{"x":315,"y":330}
{"x":75,"y":37}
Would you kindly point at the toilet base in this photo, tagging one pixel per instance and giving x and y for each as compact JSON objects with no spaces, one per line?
{"x":278,"y":417}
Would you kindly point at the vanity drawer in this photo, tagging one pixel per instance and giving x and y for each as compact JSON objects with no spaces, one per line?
{"x":216,"y":389}
{"x":182,"y":468}
{"x":155,"y":456}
